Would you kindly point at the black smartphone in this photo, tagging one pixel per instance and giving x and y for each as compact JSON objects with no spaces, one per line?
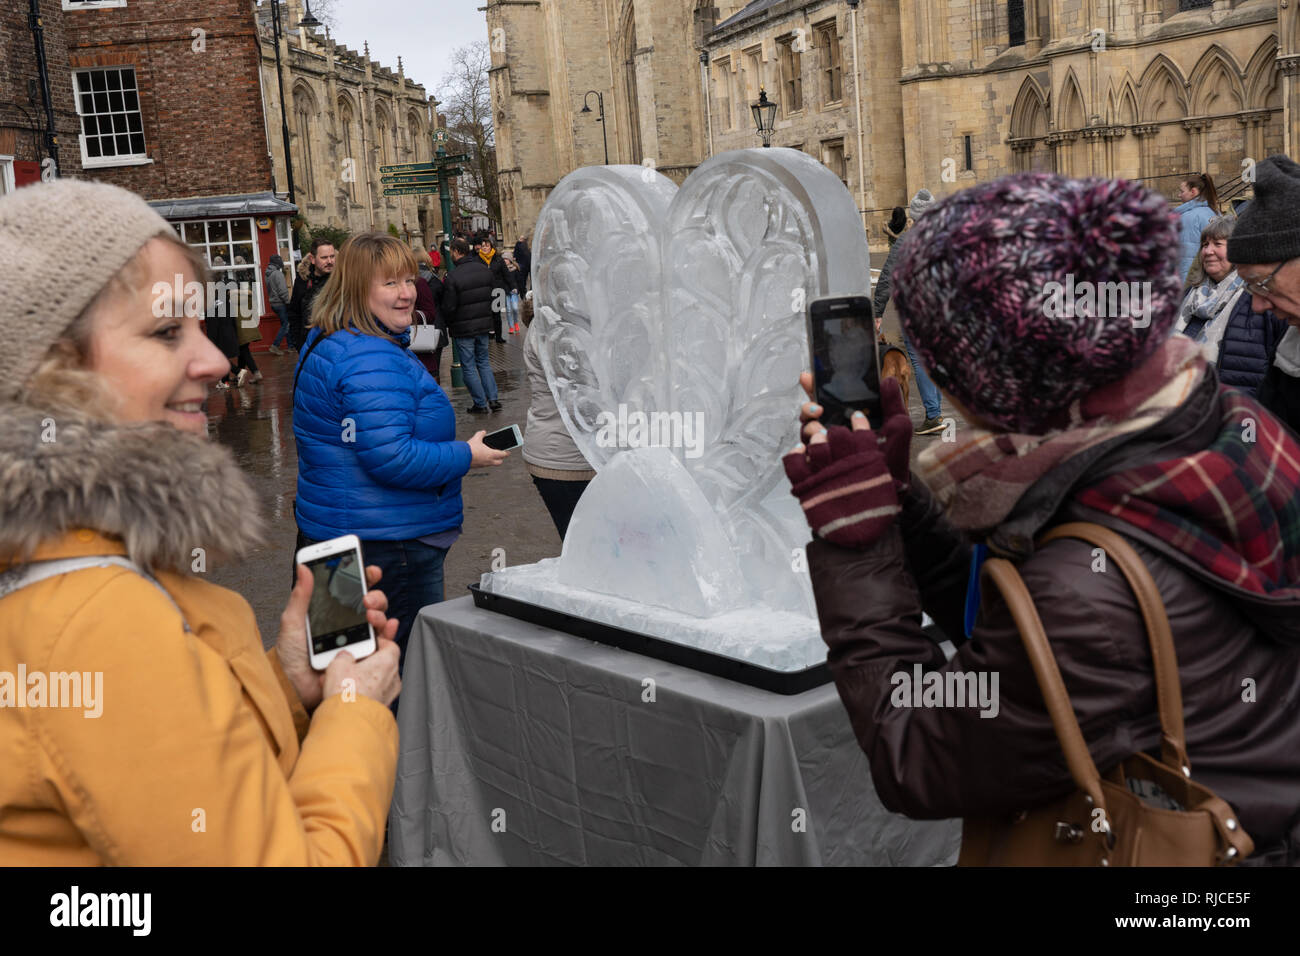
{"x":845,"y":360}
{"x":504,"y":439}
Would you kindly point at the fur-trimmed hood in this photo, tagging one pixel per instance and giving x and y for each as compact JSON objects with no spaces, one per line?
{"x":164,"y":492}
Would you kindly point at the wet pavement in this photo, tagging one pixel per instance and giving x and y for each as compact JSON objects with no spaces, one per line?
{"x":502,"y":507}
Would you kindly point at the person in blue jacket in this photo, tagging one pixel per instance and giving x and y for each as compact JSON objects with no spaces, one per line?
{"x":1200,"y":204}
{"x":376,"y":435}
{"x":1217,"y":314}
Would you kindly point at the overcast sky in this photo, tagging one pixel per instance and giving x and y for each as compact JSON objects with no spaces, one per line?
{"x":421,"y":32}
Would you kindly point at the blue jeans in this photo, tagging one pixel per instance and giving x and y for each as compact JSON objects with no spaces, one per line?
{"x":283,"y":312}
{"x":929,"y":391}
{"x":512,"y":308}
{"x":473,"y":353}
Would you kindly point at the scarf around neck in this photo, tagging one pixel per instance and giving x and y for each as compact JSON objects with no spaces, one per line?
{"x":1230,"y":509}
{"x":979,"y":480}
{"x":1210,"y":306}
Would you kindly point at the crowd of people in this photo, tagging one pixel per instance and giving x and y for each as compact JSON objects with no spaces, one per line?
{"x":1139,"y":426}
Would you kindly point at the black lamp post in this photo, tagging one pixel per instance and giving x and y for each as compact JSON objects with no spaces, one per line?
{"x":600,"y":104}
{"x":311,"y":23}
{"x":765,"y":117}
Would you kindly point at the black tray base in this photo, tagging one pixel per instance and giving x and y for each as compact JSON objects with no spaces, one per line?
{"x":706,"y":662}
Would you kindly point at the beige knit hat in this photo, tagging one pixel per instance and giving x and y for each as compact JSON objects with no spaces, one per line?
{"x":60,"y":244}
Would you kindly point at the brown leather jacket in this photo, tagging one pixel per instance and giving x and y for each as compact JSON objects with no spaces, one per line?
{"x":936,"y":762}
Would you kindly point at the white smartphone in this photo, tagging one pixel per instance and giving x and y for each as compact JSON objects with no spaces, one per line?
{"x":336,"y":617}
{"x":504,"y":439}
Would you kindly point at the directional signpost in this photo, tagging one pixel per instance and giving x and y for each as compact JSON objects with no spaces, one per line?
{"x":409,"y":179}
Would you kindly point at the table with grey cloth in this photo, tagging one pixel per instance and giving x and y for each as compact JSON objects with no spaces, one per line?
{"x":528,"y":746}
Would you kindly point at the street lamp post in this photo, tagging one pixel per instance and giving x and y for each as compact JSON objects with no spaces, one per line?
{"x":765,"y":117}
{"x":284,"y":108}
{"x":311,"y":23}
{"x":600,"y":104}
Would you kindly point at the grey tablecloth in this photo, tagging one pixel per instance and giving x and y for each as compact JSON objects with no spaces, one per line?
{"x":524,"y":745}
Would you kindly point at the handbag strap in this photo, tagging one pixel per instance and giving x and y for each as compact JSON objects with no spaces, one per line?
{"x":23,"y":575}
{"x":1007,"y":579}
{"x":1169,"y":692}
{"x":303,"y":360}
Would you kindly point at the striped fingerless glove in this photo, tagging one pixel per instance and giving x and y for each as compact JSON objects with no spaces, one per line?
{"x":845,"y":487}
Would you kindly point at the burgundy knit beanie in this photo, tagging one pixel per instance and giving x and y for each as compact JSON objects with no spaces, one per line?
{"x":1026,"y":293}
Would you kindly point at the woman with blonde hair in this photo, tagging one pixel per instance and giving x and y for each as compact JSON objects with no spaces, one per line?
{"x":376,"y":435}
{"x":147,"y":726}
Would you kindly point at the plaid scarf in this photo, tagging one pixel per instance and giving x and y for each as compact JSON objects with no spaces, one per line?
{"x":1232,"y":508}
{"x":979,"y":480}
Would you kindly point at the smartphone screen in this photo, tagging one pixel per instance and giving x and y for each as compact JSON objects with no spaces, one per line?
{"x":336,"y":615}
{"x":846,"y":367}
{"x":503,"y":439}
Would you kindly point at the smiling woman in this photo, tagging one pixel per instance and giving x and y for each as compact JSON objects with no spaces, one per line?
{"x":376,"y":435}
{"x":112,"y":495}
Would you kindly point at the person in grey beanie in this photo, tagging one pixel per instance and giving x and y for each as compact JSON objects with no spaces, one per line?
{"x":1264,"y":247}
{"x":930,"y":399}
{"x":111,"y":491}
{"x":277,"y":292}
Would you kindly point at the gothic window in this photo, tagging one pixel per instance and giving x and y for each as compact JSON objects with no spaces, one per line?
{"x":828,"y":55}
{"x":303,"y":115}
{"x":791,"y":76}
{"x":753,"y":73}
{"x":723,"y":68}
{"x":1016,"y":22}
{"x":346,"y":124}
{"x":1194,"y":4}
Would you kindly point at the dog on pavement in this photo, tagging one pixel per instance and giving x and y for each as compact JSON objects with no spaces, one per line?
{"x":894,"y":363}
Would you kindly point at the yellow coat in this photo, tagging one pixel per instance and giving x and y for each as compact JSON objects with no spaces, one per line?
{"x":201,"y":752}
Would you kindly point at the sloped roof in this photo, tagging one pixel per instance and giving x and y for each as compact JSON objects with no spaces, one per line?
{"x":199,"y":207}
{"x":749,"y":10}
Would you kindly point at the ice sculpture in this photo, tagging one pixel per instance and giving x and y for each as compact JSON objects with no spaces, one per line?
{"x":681,"y":311}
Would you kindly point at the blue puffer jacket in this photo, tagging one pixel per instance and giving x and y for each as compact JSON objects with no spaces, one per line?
{"x":1195,"y":215}
{"x":1248,"y":346}
{"x":394,"y":473}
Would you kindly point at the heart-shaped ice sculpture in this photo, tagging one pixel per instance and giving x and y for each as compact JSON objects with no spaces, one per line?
{"x":687,"y":307}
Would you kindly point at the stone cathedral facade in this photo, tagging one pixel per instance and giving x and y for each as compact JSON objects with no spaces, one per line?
{"x":934,"y":93}
{"x":348,"y":115}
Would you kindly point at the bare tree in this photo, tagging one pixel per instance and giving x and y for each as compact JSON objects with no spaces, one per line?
{"x":325,"y":12}
{"x":466,"y":101}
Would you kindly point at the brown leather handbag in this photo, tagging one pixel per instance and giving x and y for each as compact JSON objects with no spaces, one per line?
{"x":1105,"y":822}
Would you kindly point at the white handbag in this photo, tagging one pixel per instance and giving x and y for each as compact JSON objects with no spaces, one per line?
{"x":425,"y":336}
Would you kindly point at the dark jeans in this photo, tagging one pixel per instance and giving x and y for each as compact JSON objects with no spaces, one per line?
{"x":412,"y":579}
{"x":560,"y":498}
{"x":283,"y":312}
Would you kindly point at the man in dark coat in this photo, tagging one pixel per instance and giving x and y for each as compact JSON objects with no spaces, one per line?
{"x":312,"y":276}
{"x":469,"y":305}
{"x":1264,"y":247}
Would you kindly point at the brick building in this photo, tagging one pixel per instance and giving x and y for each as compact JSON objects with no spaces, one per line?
{"x":23,"y":115}
{"x":169,"y":101}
